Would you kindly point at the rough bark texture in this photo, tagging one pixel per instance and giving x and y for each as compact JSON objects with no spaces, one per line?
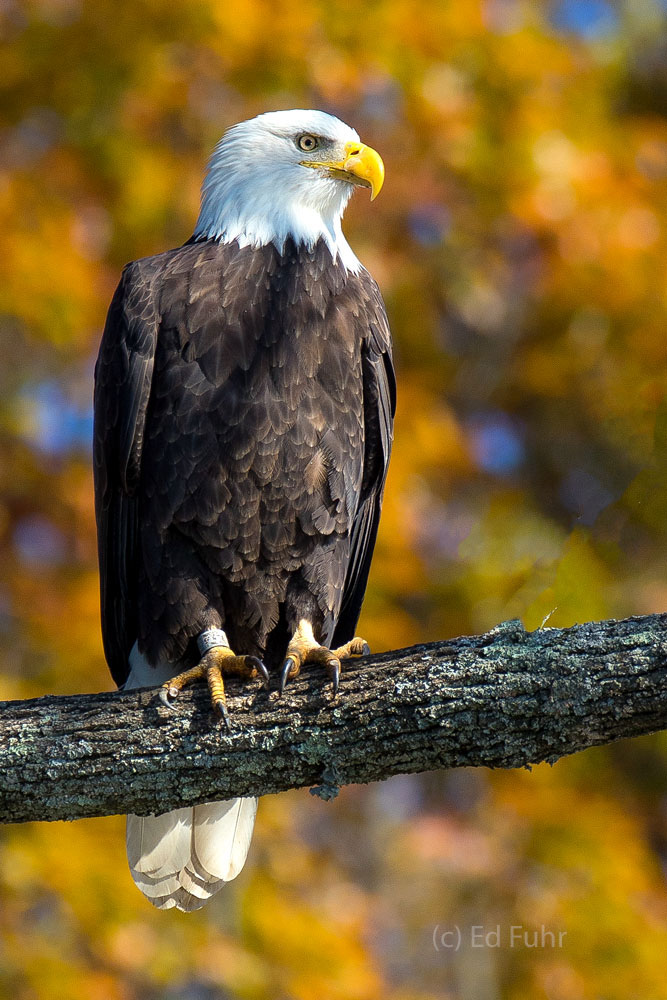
{"x":504,"y":699}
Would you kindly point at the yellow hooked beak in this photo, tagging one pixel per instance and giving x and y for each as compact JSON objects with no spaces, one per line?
{"x":361,"y":166}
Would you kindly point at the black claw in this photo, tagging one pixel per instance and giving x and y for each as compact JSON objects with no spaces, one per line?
{"x":365,"y":650}
{"x":164,"y":698}
{"x":255,"y":663}
{"x":224,"y":714}
{"x":334,"y":668}
{"x":284,"y":672}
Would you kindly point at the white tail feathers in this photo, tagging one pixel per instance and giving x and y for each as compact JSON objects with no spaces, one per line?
{"x":183,"y":857}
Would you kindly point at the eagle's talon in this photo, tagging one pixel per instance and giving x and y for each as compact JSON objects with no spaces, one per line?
{"x":333,"y":667}
{"x":288,"y":667}
{"x":304,"y":648}
{"x":254,"y":663}
{"x":221,"y":709}
{"x":216,"y":661}
{"x":167,"y":696}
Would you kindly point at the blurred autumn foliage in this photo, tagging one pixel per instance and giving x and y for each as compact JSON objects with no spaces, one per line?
{"x":520,"y":243}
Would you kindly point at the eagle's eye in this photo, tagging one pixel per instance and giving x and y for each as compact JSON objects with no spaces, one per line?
{"x":307,"y":143}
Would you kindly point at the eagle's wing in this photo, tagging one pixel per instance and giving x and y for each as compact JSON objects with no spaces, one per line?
{"x":122,"y":388}
{"x":379,"y":388}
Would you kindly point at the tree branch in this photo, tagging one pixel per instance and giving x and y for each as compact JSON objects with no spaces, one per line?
{"x":504,"y":699}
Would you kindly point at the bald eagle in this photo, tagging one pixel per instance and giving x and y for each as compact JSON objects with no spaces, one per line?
{"x":244,"y":401}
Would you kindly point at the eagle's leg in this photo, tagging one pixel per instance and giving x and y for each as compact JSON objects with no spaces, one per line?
{"x":217,"y":659}
{"x":304,"y":648}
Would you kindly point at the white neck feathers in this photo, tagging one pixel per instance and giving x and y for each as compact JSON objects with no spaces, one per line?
{"x":256,"y":192}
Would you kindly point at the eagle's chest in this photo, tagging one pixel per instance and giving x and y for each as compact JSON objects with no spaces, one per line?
{"x":258,"y":389}
{"x":258,"y":419}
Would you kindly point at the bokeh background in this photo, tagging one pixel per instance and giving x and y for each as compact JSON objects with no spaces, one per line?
{"x":520,"y":245}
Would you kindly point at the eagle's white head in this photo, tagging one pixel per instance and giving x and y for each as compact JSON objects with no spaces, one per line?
{"x":286,"y":174}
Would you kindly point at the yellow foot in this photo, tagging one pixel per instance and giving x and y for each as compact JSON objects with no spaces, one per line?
{"x":304,"y":649}
{"x":215,"y":662}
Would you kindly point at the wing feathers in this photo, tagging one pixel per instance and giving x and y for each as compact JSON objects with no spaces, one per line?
{"x":123,"y":376}
{"x":379,"y":388}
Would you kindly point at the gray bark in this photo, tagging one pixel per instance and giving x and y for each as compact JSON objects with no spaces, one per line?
{"x":508,"y":698}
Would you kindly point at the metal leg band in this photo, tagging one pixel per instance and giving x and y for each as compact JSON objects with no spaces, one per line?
{"x":210,"y":638}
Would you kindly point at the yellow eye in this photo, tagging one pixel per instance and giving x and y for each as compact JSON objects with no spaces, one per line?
{"x":307,"y":143}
